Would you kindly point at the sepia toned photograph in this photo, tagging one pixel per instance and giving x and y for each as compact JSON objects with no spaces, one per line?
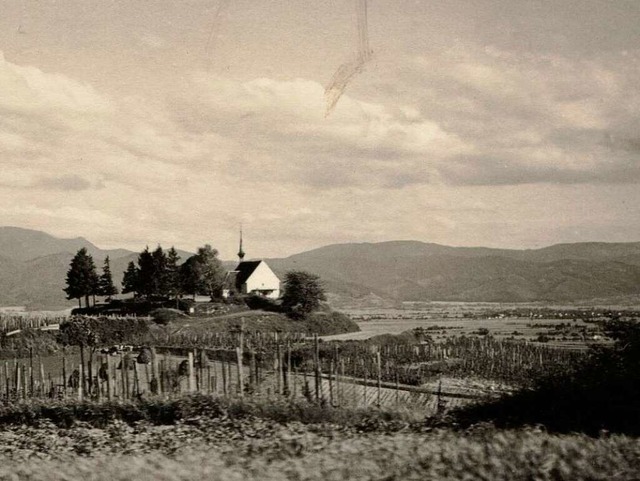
{"x":318,"y":240}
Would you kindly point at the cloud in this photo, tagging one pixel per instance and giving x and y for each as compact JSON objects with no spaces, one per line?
{"x":530,"y":118}
{"x":463,"y":116}
{"x":27,"y":89}
{"x":452,"y":144}
{"x":65,"y":183}
{"x":276,"y":129}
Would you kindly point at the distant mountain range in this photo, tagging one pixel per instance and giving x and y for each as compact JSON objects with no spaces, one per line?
{"x":417,"y":271}
{"x":33,"y":266}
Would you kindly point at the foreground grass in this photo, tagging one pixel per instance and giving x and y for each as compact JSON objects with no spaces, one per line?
{"x":296,"y":452}
{"x":224,"y":439}
{"x":157,"y":411}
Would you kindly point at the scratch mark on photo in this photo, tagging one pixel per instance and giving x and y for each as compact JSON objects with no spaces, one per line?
{"x":347,"y":71}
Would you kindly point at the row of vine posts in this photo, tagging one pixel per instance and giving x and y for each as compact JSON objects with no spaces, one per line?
{"x":285,"y":365}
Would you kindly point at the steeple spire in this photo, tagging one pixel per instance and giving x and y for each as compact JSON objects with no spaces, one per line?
{"x":240,"y":251}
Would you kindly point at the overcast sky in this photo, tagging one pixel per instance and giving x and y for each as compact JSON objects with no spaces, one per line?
{"x":504,"y":123}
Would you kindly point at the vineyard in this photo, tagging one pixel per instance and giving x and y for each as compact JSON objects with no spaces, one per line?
{"x":245,"y":404}
{"x":386,"y":370}
{"x":12,"y":323}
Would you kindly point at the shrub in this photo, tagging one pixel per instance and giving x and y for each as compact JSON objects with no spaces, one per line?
{"x":145,"y":356}
{"x":256,"y":302}
{"x":601,"y":393}
{"x":35,"y":341}
{"x":183,"y":305}
{"x":323,"y":323}
{"x":102,"y":331}
{"x":164,"y":316}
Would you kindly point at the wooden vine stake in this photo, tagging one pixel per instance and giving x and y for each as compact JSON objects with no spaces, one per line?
{"x":239,"y":355}
{"x":316,"y":361}
{"x":154,"y":369}
{"x":287,"y":374}
{"x":17,"y":383}
{"x":7,"y":379}
{"x":123,"y":370}
{"x":224,"y":379}
{"x":379,"y":373}
{"x":366,"y":381}
{"x":42,"y":380}
{"x":278,"y":366}
{"x":191,"y":373}
{"x":331,"y":367}
{"x":109,"y":377}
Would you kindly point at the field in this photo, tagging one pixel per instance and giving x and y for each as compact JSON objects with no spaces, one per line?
{"x":569,"y":327}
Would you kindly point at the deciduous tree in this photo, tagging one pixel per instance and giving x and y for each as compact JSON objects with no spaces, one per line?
{"x":203,"y":273}
{"x":211,"y":272}
{"x":303,"y":293}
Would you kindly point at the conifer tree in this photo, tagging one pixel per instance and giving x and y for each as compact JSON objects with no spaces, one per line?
{"x":159,"y":284}
{"x":130,"y":279}
{"x":152,"y":275}
{"x":145,"y":273}
{"x":82,"y":278}
{"x":189,"y":276}
{"x":106,"y":287}
{"x":173,"y":274}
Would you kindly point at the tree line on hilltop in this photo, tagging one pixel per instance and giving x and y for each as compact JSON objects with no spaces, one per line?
{"x":156,"y":275}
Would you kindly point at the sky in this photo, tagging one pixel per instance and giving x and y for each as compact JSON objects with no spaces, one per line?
{"x":502,"y":123}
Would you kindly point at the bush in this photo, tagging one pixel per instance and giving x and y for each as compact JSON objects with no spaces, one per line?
{"x":412,"y":336}
{"x":99,"y":414}
{"x":601,"y":393}
{"x":325,"y":324}
{"x":164,"y":316}
{"x":102,"y":331}
{"x":262,"y":303}
{"x":483,"y":331}
{"x":303,"y":293}
{"x":35,"y":341}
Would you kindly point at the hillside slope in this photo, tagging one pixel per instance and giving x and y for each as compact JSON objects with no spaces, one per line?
{"x":34,"y":264}
{"x":416,"y":271}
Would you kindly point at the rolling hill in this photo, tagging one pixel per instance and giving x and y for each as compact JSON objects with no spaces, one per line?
{"x":410,"y":271}
{"x":33,"y":266}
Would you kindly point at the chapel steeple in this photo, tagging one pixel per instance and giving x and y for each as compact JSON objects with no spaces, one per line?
{"x":240,"y":251}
